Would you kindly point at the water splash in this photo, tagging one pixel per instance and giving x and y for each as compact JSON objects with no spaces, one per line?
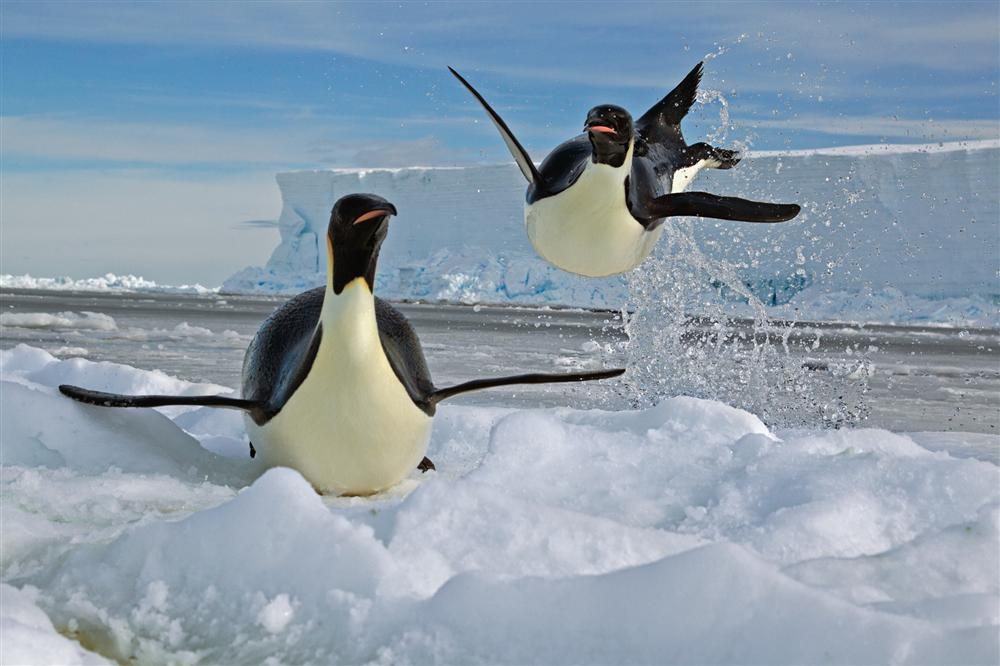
{"x":686,"y":337}
{"x":705,"y":97}
{"x":683,"y":340}
{"x":722,"y":48}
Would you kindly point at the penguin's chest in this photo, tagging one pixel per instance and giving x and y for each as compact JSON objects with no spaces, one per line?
{"x":683,"y":177}
{"x":350,"y":428}
{"x":587,"y":228}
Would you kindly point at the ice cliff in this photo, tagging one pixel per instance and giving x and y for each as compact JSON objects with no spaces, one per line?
{"x":912,"y":229}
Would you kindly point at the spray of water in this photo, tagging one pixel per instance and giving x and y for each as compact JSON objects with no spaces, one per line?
{"x":723,"y":48}
{"x":720,"y":133}
{"x":685,"y":339}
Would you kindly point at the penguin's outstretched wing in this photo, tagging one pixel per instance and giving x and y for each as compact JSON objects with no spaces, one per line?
{"x":518,"y":152}
{"x":102,"y":399}
{"x":663,"y":120}
{"x":658,"y":131}
{"x":537,"y":378}
{"x":406,"y":357}
{"x":703,"y":204}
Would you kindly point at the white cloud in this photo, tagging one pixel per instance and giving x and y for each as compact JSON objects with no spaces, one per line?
{"x":91,"y":141}
{"x":73,"y":138}
{"x":631,"y":44}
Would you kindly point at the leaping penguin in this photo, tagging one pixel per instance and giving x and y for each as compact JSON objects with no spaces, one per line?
{"x":597,"y":203}
{"x":335,"y":383}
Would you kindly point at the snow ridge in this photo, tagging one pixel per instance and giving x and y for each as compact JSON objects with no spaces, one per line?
{"x":687,"y":532}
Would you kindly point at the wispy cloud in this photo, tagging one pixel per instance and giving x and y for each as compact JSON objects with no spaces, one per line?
{"x":544,"y":41}
{"x":867,"y":57}
{"x":145,"y":142}
{"x":96,"y":142}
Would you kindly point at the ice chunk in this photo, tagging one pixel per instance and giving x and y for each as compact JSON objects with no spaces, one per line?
{"x":30,"y":638}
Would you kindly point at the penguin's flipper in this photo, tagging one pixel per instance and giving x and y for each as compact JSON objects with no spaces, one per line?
{"x":102,"y":399}
{"x":703,"y":204}
{"x":715,"y":158}
{"x":536,"y":378}
{"x":517,"y":151}
{"x":664,"y":118}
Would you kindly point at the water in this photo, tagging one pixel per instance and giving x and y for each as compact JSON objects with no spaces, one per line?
{"x":745,"y":363}
{"x":914,"y":378}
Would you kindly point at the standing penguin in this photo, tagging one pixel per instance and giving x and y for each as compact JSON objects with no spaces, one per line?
{"x":597,"y":203}
{"x":335,"y":383}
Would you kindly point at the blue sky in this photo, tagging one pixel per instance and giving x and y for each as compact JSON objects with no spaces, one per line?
{"x":135,"y":130}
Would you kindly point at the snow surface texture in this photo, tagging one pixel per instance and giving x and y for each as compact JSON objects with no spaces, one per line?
{"x":683,"y":533}
{"x":888,"y":234}
{"x":107,"y":282}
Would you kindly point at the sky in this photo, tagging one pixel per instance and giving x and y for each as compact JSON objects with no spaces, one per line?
{"x":144,"y":137}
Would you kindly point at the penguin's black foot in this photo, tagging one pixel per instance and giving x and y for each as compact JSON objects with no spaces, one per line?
{"x":718,"y":158}
{"x":426,"y":464}
{"x":727,"y":159}
{"x":253,"y":451}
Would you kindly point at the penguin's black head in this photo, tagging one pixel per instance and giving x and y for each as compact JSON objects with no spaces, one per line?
{"x":610,"y":130}
{"x":358,"y":225}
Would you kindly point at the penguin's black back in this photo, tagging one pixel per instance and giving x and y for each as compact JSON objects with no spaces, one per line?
{"x":561,"y":168}
{"x":650,"y":175}
{"x":282,"y":352}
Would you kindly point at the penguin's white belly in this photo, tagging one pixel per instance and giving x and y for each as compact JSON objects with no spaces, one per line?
{"x":587,"y":228}
{"x":350,"y":428}
{"x":683,"y":177}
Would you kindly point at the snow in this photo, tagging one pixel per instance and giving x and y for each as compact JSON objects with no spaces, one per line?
{"x":889,"y":233}
{"x":106,"y":324}
{"x":276,"y":615}
{"x":86,"y":320}
{"x":686,"y":532}
{"x":107,"y":282}
{"x":30,"y":638}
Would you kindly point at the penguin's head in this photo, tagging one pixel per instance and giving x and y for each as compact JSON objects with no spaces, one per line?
{"x":610,"y":131}
{"x":358,"y":225}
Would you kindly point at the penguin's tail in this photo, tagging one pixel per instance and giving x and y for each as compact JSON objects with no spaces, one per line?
{"x":102,"y":399}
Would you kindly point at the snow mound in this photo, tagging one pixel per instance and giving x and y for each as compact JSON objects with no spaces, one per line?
{"x":30,"y":638}
{"x":687,"y":532}
{"x":42,"y":427}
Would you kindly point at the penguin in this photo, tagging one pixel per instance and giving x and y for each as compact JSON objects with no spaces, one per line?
{"x":597,"y":203}
{"x":334,"y":383}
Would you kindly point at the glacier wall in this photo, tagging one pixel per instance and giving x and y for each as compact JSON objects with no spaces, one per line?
{"x":915,"y":225}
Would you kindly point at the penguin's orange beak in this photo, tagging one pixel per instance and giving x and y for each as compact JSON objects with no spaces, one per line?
{"x":372,"y":214}
{"x":601,"y":128}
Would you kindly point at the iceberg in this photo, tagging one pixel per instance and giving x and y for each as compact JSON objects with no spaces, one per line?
{"x":887,"y":233}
